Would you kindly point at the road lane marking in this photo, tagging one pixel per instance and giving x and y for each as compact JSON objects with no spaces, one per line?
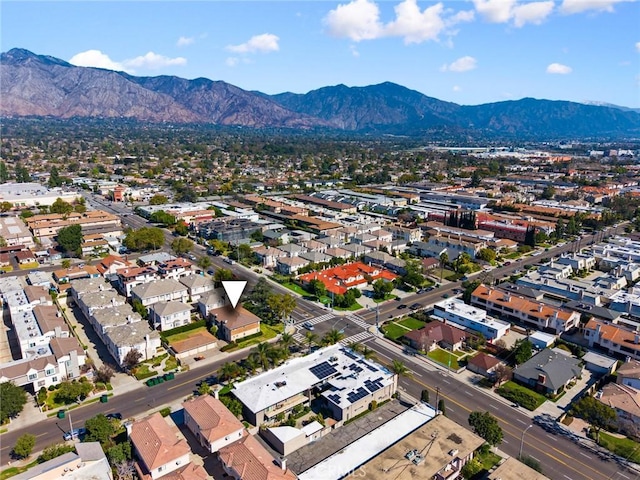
{"x":446,"y":381}
{"x":622,"y":474}
{"x":563,"y":475}
{"x":552,"y":437}
{"x":494,"y":406}
{"x":585,"y":455}
{"x":521,"y":421}
{"x":385,"y":356}
{"x":468,"y":393}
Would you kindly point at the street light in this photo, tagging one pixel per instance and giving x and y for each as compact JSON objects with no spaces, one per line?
{"x":522,"y":441}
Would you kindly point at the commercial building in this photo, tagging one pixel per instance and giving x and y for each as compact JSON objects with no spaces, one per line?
{"x":15,"y":232}
{"x":48,"y":225}
{"x":348,"y":383}
{"x":473,"y":318}
{"x":29,"y":194}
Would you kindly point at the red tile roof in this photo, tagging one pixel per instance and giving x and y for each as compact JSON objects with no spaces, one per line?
{"x":252,"y":461}
{"x":339,"y":279}
{"x":214,"y":420}
{"x":156,"y":442}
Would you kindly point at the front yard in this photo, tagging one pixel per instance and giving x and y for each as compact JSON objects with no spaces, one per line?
{"x":523,"y":396}
{"x":395,"y":330}
{"x":184,"y":335}
{"x":446,"y":358}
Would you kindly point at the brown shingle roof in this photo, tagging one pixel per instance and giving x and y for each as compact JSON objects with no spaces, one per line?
{"x":156,"y":442}
{"x":252,"y":461}
{"x":213,"y":418}
{"x":437,"y":332}
{"x":235,"y":317}
{"x":484,"y":361}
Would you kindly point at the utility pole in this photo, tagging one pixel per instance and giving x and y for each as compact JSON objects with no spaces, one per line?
{"x":437,"y":394}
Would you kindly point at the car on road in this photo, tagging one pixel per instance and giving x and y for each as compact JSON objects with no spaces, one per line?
{"x":415,"y":306}
{"x":507,"y":264}
{"x":114,"y":416}
{"x":308,"y":326}
{"x":192,"y":257}
{"x":229,"y":261}
{"x":402,"y":306}
{"x":211,"y":271}
{"x":75,"y":433}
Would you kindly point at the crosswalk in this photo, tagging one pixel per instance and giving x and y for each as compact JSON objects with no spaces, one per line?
{"x":321,"y":318}
{"x":359,"y":321}
{"x":357,"y":338}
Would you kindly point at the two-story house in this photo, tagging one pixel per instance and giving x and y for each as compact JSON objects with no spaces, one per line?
{"x":166,"y":290}
{"x":213,"y":425}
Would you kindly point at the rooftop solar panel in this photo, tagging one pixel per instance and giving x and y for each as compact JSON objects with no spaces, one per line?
{"x":322,"y":370}
{"x":357,"y":395}
{"x":372,"y":368}
{"x":349,"y":354}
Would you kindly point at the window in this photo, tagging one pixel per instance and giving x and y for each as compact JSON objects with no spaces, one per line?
{"x":33,"y":376}
{"x":49,"y":371}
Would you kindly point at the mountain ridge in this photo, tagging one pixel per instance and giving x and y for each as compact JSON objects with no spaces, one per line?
{"x":45,"y":86}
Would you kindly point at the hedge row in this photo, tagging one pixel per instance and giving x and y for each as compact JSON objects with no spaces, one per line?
{"x":521,"y":395}
{"x":184,"y":328}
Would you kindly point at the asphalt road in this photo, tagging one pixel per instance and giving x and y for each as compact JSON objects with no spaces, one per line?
{"x":560,"y":458}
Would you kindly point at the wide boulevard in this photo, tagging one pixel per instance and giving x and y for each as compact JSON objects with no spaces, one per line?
{"x":561,"y":458}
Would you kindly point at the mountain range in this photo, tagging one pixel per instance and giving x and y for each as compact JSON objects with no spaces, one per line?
{"x":45,"y":86}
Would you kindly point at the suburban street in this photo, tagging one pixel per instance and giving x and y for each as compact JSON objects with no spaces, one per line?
{"x":560,"y":457}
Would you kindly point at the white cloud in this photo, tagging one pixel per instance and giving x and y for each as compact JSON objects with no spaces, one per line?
{"x":354,"y":50}
{"x":154,"y":61}
{"x":463,"y":64}
{"x":638,"y":46}
{"x":264,"y":43}
{"x":461,"y":16}
{"x":95,"y":58}
{"x":495,"y":11}
{"x":416,"y":26}
{"x":150,"y":61}
{"x":578,"y":6}
{"x":456,"y":88}
{"x":357,"y":20}
{"x":534,"y":13}
{"x":504,"y":11}
{"x":232,"y":61}
{"x":559,"y":69}
{"x":184,"y":41}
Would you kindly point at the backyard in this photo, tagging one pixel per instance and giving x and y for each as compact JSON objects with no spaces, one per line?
{"x":395,"y":330}
{"x":184,"y":335}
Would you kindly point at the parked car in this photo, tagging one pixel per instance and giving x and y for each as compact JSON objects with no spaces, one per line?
{"x":402,"y":306}
{"x":229,"y":261}
{"x":308,"y":326}
{"x":75,"y":433}
{"x":114,"y":416}
{"x":415,"y":306}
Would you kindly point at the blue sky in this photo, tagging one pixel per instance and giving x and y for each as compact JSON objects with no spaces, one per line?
{"x":468,"y":52}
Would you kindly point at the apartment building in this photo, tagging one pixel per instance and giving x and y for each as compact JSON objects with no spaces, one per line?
{"x":456,"y":311}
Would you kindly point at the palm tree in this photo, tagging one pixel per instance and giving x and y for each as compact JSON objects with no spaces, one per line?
{"x":368,"y":353}
{"x":332,"y":337}
{"x":229,"y":371}
{"x":286,"y":340}
{"x":263,"y":353}
{"x":251,"y":363}
{"x":444,"y":259}
{"x":311,"y":338}
{"x":356,"y":347}
{"x":399,"y":368}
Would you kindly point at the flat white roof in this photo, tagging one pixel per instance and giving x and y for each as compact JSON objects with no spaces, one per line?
{"x":348,"y":459}
{"x":333,"y":364}
{"x":474,"y":314}
{"x":286,"y":434}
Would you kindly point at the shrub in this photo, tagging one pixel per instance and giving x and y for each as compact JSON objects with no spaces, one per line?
{"x":165,"y":412}
{"x":373,"y":405}
{"x":229,"y":346}
{"x":521,"y":396}
{"x":184,"y":328}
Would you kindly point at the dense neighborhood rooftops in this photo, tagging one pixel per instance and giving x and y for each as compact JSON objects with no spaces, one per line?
{"x":614,"y":334}
{"x":156,"y":442}
{"x":163,"y":309}
{"x":299,"y":374}
{"x":551,"y":368}
{"x":157,"y":288}
{"x":214,"y":420}
{"x":622,"y":397}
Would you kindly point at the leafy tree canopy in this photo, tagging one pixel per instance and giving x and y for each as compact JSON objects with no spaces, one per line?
{"x":13,"y":400}
{"x":486,"y":426}
{"x":70,"y":239}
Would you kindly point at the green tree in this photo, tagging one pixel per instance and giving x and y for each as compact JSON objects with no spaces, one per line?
{"x":61,"y":207}
{"x":522,"y":351}
{"x":66,"y":263}
{"x":229,"y":371}
{"x":144,"y":238}
{"x":22,"y":173}
{"x":332,"y":337}
{"x":180,"y":246}
{"x":204,"y":262}
{"x":181,"y":229}
{"x":158,"y":200}
{"x":548,"y":192}
{"x":286,"y":340}
{"x":245,"y":252}
{"x":24,"y":445}
{"x":222,"y":275}
{"x":162,"y":217}
{"x":596,"y":413}
{"x":318,"y":288}
{"x":74,"y":391}
{"x":204,"y":388}
{"x":413,"y":275}
{"x":70,"y":239}
{"x":486,"y":254}
{"x":105,"y":373}
{"x":119,"y":453}
{"x":54,"y":177}
{"x":13,"y":400}
{"x":99,"y":429}
{"x":263,"y":353}
{"x":381,"y":288}
{"x":282,"y":305}
{"x":5,"y":206}
{"x":424,"y":396}
{"x":442,"y":407}
{"x":4,"y":173}
{"x":53,"y":451}
{"x":310,"y":338}
{"x":233,"y":404}
{"x":486,"y":426}
{"x":399,"y":368}
{"x":444,"y":261}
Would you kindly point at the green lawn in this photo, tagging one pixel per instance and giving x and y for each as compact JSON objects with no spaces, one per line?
{"x":295,"y":288}
{"x":624,"y":447}
{"x":267,"y":334}
{"x":512,"y":255}
{"x":352,"y":308}
{"x":488,"y":459}
{"x":184,"y":335}
{"x":388,"y":296}
{"x":524,"y":396}
{"x":444,"y":357}
{"x":394,"y":331}
{"x":412,"y":323}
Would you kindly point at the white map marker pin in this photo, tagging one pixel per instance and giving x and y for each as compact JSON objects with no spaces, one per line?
{"x":234,"y":289}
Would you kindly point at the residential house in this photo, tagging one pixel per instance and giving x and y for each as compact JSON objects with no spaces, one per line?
{"x":168,"y":315}
{"x":25,"y":257}
{"x":578,"y":261}
{"x":159,"y":448}
{"x":351,"y":275}
{"x":91,"y":302}
{"x":160,"y":291}
{"x":483,"y":364}
{"x":625,"y":400}
{"x":337,"y":252}
{"x":211,"y":422}
{"x":514,"y":469}
{"x":111,"y":264}
{"x":175,"y":269}
{"x":248,"y":459}
{"x":69,"y":355}
{"x":291,"y":249}
{"x":382,"y":259}
{"x":115,"y":316}
{"x":213,"y":300}
{"x":268,"y":255}
{"x":525,"y":311}
{"x":549,"y":371}
{"x":616,"y":340}
{"x":75,"y":273}
{"x":409,"y":235}
{"x":290,"y":265}
{"x":122,"y":339}
{"x":129,"y":278}
{"x":456,"y":311}
{"x":235,"y":323}
{"x":33,"y":373}
{"x":197,"y":286}
{"x":436,"y":334}
{"x":629,"y":374}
